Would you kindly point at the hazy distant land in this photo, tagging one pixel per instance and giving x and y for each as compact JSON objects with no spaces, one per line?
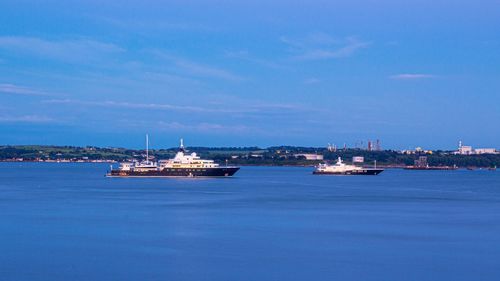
{"x":276,"y":156}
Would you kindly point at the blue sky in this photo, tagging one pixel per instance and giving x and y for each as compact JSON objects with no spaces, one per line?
{"x":239,"y":73}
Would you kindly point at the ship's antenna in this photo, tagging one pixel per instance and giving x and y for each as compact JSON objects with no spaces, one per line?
{"x":147,"y":148}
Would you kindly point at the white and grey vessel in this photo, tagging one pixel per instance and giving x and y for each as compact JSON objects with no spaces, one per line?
{"x":182,"y":165}
{"x":340,"y":168}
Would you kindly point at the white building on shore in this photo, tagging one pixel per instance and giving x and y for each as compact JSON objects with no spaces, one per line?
{"x":469,"y":150}
{"x":310,"y":156}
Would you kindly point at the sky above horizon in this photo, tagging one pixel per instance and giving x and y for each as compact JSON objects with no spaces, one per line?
{"x":250,"y":73}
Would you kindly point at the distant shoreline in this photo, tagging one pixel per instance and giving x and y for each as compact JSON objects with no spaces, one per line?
{"x":242,"y":165}
{"x":287,"y":156}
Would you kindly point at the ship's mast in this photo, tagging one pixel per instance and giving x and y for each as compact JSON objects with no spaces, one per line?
{"x":181,"y":147}
{"x":147,"y":149}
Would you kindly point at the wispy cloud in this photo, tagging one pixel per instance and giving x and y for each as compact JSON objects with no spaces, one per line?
{"x":275,"y":106}
{"x":158,"y":76}
{"x":20,"y":90}
{"x":146,"y":25}
{"x":182,"y":126}
{"x":131,"y":105}
{"x":26,"y":119}
{"x":197,"y":69}
{"x":412,"y":76}
{"x":245,"y":108}
{"x":312,"y":80}
{"x":245,"y":56}
{"x":201,"y":127}
{"x":74,"y":50}
{"x":208,"y":71}
{"x":321,"y":46}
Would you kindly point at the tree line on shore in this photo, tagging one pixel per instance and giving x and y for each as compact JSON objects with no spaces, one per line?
{"x":279,"y":155}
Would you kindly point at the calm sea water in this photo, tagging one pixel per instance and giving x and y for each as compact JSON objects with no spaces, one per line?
{"x":69,"y":222}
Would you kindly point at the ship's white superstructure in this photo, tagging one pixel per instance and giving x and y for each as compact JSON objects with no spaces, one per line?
{"x":144,"y":166}
{"x":184,"y":160}
{"x":339,"y":167}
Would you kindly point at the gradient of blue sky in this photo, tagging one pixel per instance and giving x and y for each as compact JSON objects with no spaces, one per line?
{"x":223,"y":73}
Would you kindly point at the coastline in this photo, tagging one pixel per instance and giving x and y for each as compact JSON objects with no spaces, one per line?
{"x":288,"y":156}
{"x":400,"y":167}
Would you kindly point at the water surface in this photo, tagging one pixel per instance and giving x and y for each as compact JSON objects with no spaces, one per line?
{"x":61,"y":221}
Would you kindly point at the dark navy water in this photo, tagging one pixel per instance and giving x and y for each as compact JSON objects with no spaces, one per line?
{"x":69,"y":222}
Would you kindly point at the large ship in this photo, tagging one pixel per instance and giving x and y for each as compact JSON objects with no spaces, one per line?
{"x":182,"y":165}
{"x":340,"y":168}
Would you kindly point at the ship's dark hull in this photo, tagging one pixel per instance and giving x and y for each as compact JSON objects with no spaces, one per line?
{"x":364,"y":172}
{"x":178,"y":172}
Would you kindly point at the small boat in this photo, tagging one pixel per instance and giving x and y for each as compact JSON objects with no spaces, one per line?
{"x":340,"y":168}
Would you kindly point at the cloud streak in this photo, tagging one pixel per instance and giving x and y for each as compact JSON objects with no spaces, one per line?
{"x":26,"y":119}
{"x":312,"y":80}
{"x":75,"y":50}
{"x":245,"y":56}
{"x":209,"y":127}
{"x":247,"y":108}
{"x":154,"y":25}
{"x":207,"y":71}
{"x":20,"y":90}
{"x":130,"y":105}
{"x":197,"y":69}
{"x":412,"y":76}
{"x":321,"y":46}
